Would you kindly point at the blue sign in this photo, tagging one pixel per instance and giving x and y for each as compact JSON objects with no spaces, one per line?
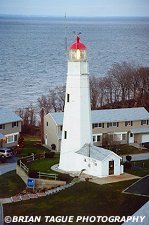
{"x":30,"y":183}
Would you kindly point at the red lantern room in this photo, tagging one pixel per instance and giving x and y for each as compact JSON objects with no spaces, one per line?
{"x":77,"y":51}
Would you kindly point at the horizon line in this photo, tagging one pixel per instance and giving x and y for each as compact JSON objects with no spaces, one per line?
{"x":56,"y":16}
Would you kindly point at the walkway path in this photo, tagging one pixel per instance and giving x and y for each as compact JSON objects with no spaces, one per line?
{"x":18,"y":198}
{"x":143,"y":211}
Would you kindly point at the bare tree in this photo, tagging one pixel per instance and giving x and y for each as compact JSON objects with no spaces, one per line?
{"x":28,"y":116}
{"x":54,"y":101}
{"x":94,"y":92}
{"x":122,"y":74}
{"x":44,"y":102}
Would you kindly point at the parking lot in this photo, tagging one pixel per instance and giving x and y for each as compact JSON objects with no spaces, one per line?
{"x":141,"y":187}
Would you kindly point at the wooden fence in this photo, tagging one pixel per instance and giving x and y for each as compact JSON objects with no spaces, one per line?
{"x":31,"y":158}
{"x":49,"y":175}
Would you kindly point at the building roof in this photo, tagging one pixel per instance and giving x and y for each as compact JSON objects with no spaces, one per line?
{"x":2,"y":135}
{"x":7,"y":116}
{"x":77,"y":45}
{"x":95,"y":152}
{"x":117,"y":115}
{"x":57,"y":117}
{"x":141,"y":130}
{"x":109,"y":115}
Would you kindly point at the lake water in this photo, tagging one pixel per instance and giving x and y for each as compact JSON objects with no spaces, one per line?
{"x":33,"y":58}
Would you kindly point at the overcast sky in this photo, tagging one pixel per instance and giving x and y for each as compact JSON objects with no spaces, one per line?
{"x":89,"y":8}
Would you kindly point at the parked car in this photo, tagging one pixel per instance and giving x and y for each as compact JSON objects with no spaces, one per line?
{"x":5,"y":153}
{"x":146,"y":145}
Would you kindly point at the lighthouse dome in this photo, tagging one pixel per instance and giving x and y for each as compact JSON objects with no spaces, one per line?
{"x":77,"y":51}
{"x":77,"y":45}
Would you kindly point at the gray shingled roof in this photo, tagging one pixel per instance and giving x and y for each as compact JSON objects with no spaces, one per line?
{"x":109,"y":115}
{"x":95,"y":152}
{"x":140,"y":130}
{"x":7,"y":116}
{"x":1,"y":135}
{"x":57,"y":117}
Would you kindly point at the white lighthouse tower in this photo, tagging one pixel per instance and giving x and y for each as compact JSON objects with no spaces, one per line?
{"x":78,"y":154}
{"x":77,"y":112}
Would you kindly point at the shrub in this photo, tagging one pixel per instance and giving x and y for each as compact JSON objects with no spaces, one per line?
{"x":53,"y":146}
{"x":33,"y":174}
{"x":128,"y":158}
{"x":65,"y":177}
{"x":49,"y":154}
{"x":127,"y":165}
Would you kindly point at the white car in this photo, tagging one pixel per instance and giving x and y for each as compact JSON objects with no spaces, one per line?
{"x":5,"y":153}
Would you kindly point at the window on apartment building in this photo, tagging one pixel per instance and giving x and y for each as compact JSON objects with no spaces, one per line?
{"x":15,"y":137}
{"x":117,"y":137}
{"x":47,"y":124}
{"x":98,"y":137}
{"x":113,"y":124}
{"x":65,"y":134}
{"x":131,"y":134}
{"x":100,"y":125}
{"x":2,"y":126}
{"x":61,"y":128}
{"x":94,"y":138}
{"x":95,"y":125}
{"x":10,"y":139}
{"x":124,"y":137}
{"x":109,"y":124}
{"x":144,"y":122}
{"x":128,"y":123}
{"x":15,"y":124}
{"x":68,"y":97}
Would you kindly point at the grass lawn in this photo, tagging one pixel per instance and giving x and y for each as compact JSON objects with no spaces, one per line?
{"x":30,"y":148}
{"x":140,"y":172}
{"x":10,"y":184}
{"x":128,"y":149}
{"x":43,"y":165}
{"x":143,"y":163}
{"x":83,"y":198}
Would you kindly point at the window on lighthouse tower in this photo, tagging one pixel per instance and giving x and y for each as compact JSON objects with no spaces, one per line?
{"x":77,"y":51}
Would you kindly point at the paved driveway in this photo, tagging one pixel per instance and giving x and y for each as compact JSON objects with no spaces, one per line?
{"x":9,"y":165}
{"x":137,"y":157}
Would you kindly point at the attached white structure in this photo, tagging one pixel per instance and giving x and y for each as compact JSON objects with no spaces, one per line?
{"x":77,"y":150}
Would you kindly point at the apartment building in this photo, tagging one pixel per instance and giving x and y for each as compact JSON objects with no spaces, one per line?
{"x":126,"y":125}
{"x":10,"y":128}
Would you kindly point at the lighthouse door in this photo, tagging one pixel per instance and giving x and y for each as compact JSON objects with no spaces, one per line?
{"x":111,"y":167}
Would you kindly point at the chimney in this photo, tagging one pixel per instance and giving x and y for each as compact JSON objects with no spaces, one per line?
{"x":42,"y":125}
